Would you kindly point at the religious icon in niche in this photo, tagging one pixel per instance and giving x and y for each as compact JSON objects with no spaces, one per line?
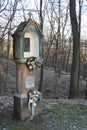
{"x":27,"y":44}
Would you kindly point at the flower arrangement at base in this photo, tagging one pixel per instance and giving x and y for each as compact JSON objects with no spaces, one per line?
{"x":33,"y":99}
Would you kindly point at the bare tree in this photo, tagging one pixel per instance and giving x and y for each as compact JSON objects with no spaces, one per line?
{"x":57,"y":17}
{"x":10,"y":19}
{"x":74,"y":81}
{"x":7,"y":31}
{"x":41,"y":26}
{"x":3,"y":5}
{"x":23,"y":10}
{"x":68,"y":53}
{"x":63,"y":41}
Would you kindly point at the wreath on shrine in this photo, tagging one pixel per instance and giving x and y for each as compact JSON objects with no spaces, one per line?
{"x":33,"y":62}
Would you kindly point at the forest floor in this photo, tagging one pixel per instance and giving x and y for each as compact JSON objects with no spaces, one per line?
{"x":52,"y":96}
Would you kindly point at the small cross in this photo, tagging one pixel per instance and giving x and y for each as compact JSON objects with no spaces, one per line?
{"x":30,"y":15}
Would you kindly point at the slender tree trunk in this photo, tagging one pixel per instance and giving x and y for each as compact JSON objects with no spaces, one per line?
{"x":67,"y":61}
{"x":74,"y":81}
{"x":59,"y":42}
{"x":41,"y":26}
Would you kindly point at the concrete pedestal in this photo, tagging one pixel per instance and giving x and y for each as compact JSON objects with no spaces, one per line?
{"x":25,"y":81}
{"x":21,"y":107}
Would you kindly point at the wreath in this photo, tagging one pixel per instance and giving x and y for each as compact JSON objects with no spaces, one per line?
{"x":31,"y":63}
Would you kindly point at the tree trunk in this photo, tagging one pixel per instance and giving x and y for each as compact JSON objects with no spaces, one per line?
{"x":74,"y":81}
{"x":68,"y":53}
{"x":41,"y":26}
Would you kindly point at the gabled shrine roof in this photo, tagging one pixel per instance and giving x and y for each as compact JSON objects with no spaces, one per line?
{"x":23,"y":26}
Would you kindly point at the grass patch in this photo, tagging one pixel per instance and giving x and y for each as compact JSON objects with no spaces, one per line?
{"x":61,"y":116}
{"x":30,"y":126}
{"x":68,"y":111}
{"x":14,"y":127}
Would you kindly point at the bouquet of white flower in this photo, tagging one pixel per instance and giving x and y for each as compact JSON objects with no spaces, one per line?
{"x":33,"y":100}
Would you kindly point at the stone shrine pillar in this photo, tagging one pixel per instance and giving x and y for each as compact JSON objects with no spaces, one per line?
{"x":27,"y":49}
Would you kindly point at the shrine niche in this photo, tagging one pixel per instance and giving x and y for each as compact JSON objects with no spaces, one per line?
{"x":27,"y":40}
